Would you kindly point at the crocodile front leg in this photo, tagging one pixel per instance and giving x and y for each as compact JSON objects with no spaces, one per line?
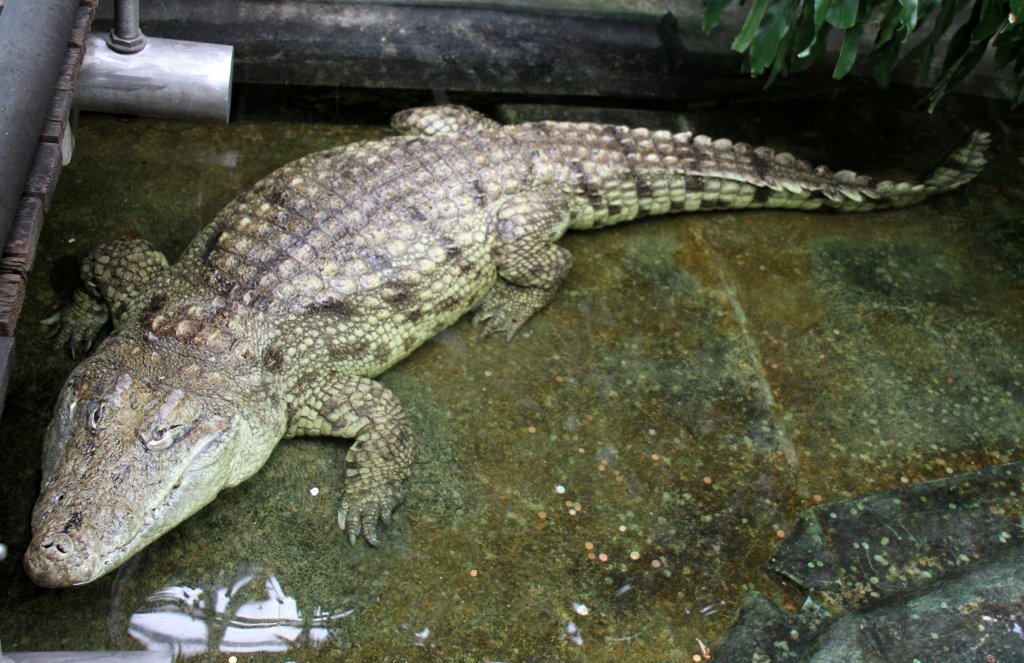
{"x":112,"y":276}
{"x":378,"y":462}
{"x":530,"y":265}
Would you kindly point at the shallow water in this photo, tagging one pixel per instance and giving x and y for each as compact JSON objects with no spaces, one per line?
{"x":611,"y":482}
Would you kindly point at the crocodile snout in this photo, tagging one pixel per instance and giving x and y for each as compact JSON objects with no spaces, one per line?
{"x":55,"y":559}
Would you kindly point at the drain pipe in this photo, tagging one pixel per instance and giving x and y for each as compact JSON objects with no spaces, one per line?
{"x":34,"y":36}
{"x":130,"y":73}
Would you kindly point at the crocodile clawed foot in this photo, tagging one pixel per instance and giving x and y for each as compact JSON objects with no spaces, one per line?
{"x":506,"y":309}
{"x":74,"y":328}
{"x":362,"y":506}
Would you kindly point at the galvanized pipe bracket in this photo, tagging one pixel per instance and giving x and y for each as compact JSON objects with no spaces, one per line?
{"x":126,"y":37}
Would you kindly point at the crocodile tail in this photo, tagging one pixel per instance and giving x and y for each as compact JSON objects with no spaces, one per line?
{"x":720,"y":174}
{"x":859,"y":193}
{"x":961,"y":166}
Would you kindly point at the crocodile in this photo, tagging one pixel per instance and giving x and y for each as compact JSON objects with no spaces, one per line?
{"x":280,"y":313}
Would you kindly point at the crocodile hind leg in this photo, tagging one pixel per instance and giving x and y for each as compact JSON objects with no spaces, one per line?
{"x":530,"y":265}
{"x":436,"y":120}
{"x":112,"y":276}
{"x":378,"y":462}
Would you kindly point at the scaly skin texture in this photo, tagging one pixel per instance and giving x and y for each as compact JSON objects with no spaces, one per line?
{"x":336,"y":266}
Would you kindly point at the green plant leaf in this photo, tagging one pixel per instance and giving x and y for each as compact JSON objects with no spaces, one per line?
{"x":821,"y":12}
{"x":816,"y":20}
{"x":992,"y":17}
{"x":887,"y":26}
{"x":806,"y":58}
{"x":908,"y":17}
{"x":783,"y":56}
{"x":887,"y":59}
{"x":961,"y":39}
{"x":842,"y":13}
{"x":848,"y":52}
{"x":713,"y":12}
{"x":1009,"y":47}
{"x":750,"y":26}
{"x":775,"y":26}
{"x":787,"y":36}
{"x":957,"y":72}
{"x":924,"y":52}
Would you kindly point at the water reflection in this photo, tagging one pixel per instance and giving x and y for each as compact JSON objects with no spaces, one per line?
{"x":243,"y":618}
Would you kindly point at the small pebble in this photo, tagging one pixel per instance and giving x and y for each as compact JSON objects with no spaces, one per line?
{"x":559,"y":489}
{"x":314,"y":491}
{"x":581,"y":609}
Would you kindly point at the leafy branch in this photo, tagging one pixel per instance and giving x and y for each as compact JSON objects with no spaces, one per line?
{"x":783,"y":36}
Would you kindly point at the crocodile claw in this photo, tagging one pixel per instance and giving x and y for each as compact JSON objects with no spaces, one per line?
{"x":362,"y":507}
{"x":506,"y":309}
{"x":75,"y":328}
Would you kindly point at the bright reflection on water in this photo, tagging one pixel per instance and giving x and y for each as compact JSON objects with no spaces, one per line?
{"x":188,"y":621}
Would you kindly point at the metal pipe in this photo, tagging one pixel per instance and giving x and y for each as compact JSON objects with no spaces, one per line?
{"x":126,"y":37}
{"x":34,"y":36}
{"x":168,"y":78}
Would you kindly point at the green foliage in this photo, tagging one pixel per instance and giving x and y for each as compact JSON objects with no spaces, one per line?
{"x":783,"y":36}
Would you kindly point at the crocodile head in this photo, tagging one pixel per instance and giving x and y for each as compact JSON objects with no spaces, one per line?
{"x":134,"y":448}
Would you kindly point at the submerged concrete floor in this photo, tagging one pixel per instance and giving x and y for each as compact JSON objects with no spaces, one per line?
{"x":609,"y":484}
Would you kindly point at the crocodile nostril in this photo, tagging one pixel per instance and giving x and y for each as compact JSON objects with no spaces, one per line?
{"x":55,"y":548}
{"x":56,"y":560}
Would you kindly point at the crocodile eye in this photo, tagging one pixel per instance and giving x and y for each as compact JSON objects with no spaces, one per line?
{"x":163,"y":437}
{"x":97,"y":413}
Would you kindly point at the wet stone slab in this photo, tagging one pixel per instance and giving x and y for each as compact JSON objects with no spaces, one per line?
{"x":868,"y":550}
{"x":977,"y":616}
{"x":610,"y":484}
